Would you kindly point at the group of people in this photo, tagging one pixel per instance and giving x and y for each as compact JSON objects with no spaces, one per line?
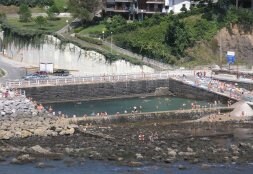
{"x":9,"y":92}
{"x":152,"y":137}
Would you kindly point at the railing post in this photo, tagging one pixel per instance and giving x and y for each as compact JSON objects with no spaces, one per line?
{"x":92,"y":79}
{"x":118,"y":77}
{"x":160,"y":75}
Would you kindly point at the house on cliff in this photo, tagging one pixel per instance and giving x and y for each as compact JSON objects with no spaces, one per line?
{"x":138,"y":8}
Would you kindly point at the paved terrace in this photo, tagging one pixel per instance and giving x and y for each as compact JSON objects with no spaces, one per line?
{"x":58,"y":81}
{"x":188,"y":77}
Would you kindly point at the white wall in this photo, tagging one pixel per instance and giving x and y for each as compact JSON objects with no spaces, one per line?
{"x":176,"y":5}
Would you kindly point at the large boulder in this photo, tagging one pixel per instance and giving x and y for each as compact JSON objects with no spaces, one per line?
{"x":40,"y":150}
{"x":6,"y":135}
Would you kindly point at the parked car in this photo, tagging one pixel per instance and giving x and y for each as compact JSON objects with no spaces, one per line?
{"x":61,"y":72}
{"x":41,"y":73}
{"x":35,"y":76}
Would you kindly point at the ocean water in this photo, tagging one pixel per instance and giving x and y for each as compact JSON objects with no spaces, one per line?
{"x":99,"y":167}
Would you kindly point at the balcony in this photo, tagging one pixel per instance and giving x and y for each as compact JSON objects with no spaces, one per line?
{"x":123,"y":0}
{"x":155,"y":2}
{"x":153,"y":10}
{"x":118,"y":9}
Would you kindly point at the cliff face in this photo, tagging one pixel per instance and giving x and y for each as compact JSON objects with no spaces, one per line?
{"x":237,"y":40}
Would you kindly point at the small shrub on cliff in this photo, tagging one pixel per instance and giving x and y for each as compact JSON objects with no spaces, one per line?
{"x":25,"y":14}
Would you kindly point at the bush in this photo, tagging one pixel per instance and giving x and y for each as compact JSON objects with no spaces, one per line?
{"x":2,"y":17}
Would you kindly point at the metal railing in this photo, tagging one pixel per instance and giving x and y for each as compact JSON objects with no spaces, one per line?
{"x":21,"y":83}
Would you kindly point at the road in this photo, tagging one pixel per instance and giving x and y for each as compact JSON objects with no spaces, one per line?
{"x":13,"y":69}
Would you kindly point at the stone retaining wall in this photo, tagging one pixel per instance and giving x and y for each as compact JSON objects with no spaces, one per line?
{"x":138,"y":117}
{"x":109,"y":90}
{"x":181,"y":89}
{"x":95,"y":91}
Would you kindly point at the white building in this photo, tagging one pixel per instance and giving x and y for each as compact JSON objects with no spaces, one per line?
{"x":176,"y":5}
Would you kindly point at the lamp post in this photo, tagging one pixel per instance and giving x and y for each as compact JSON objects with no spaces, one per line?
{"x":220,"y":53}
{"x":142,"y":15}
{"x":2,"y":43}
{"x":111,"y":42}
{"x":67,"y":21}
{"x":103,"y":35}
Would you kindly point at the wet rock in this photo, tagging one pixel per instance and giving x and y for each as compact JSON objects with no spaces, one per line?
{"x":23,"y":159}
{"x":43,"y":165}
{"x":169,"y":160}
{"x":234,"y":158}
{"x":158,"y":149}
{"x":205,"y":166}
{"x":2,"y":159}
{"x":182,"y":167}
{"x":138,"y":156}
{"x":172,"y":152}
{"x":205,"y":139}
{"x":189,"y":149}
{"x":25,"y":134}
{"x":135,"y":164}
{"x":120,"y":159}
{"x":186,"y":153}
{"x":70,"y":131}
{"x":40,"y":132}
{"x":40,"y":150}
{"x":69,"y":150}
{"x":6,"y":135}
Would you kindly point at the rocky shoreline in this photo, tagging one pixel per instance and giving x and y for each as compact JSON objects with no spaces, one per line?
{"x":28,"y":135}
{"x":165,"y":141}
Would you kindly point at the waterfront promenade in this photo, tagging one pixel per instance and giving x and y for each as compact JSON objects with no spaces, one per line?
{"x":189,"y":77}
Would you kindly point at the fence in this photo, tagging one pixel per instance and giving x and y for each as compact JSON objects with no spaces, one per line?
{"x":95,"y":79}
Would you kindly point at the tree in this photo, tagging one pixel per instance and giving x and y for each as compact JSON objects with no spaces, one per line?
{"x":177,"y":37}
{"x":25,"y":14}
{"x":115,"y":22}
{"x":84,"y":9}
{"x":52,"y":11}
{"x":40,"y":20}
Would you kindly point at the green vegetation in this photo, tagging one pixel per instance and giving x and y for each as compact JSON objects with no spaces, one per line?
{"x":25,"y":14}
{"x":85,"y":9}
{"x":89,"y":39}
{"x":2,"y":17}
{"x":179,"y":38}
{"x":49,"y":27}
{"x":93,"y":30}
{"x":62,"y":5}
{"x":30,"y":3}
{"x":2,"y":73}
{"x":40,"y":20}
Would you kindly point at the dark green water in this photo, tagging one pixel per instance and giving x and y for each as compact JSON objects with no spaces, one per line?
{"x":121,"y":105}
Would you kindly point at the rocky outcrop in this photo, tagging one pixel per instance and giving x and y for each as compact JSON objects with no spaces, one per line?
{"x":236,"y":38}
{"x":42,"y":125}
{"x":16,"y":106}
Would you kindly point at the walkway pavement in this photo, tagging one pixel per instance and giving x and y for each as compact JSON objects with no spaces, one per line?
{"x":14,"y":70}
